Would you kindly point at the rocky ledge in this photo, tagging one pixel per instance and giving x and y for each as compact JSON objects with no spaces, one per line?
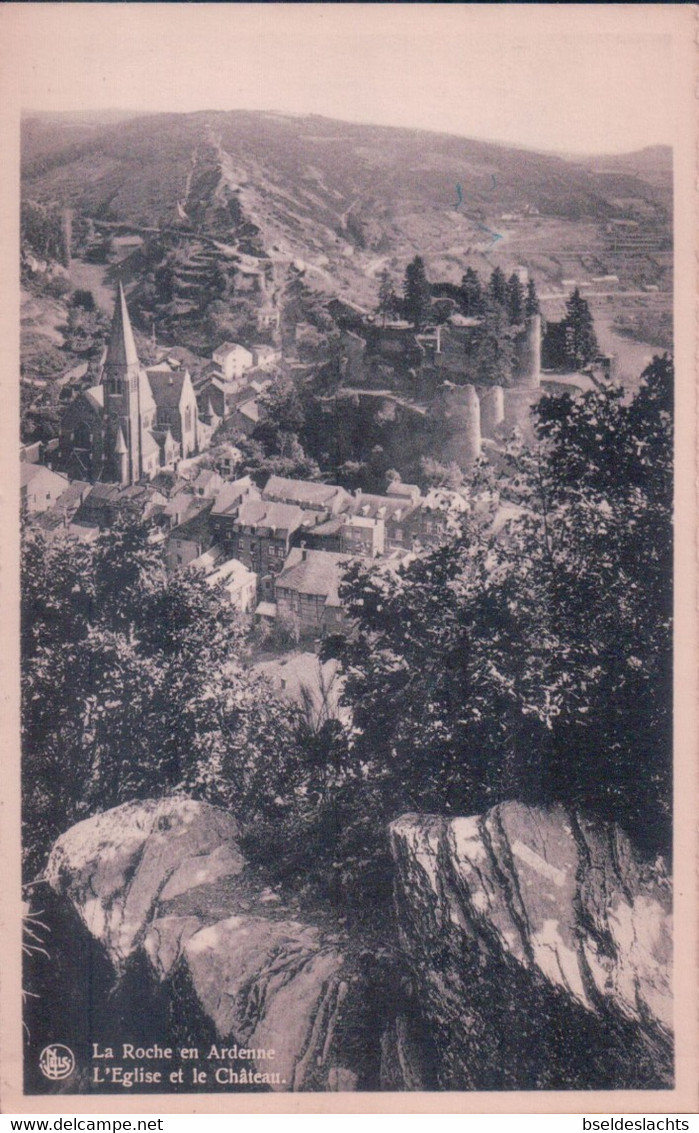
{"x":542,"y":949}
{"x":529,"y":949}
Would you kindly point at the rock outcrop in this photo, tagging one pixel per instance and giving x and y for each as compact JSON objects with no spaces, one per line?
{"x":542,"y":949}
{"x":162,"y":882}
{"x":532,"y":951}
{"x":119,"y":868}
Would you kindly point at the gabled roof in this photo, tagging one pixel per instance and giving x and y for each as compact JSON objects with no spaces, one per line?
{"x":121,"y":351}
{"x":230,"y":348}
{"x":251,"y":410}
{"x":231,"y":573}
{"x":230,"y":495}
{"x":313,"y":572}
{"x":383,"y":507}
{"x":149,"y":444}
{"x":29,"y":472}
{"x":94,"y":397}
{"x":167,"y":387}
{"x":278,"y":517}
{"x":301,"y":491}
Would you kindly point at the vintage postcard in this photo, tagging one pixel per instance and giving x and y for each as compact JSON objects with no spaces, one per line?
{"x":348,"y":558}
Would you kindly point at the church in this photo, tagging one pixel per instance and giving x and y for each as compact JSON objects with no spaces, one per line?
{"x":136,"y":421}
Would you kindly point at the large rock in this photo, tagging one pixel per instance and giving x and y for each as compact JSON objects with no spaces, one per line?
{"x":161,"y":886}
{"x":541,"y":946}
{"x":119,"y":868}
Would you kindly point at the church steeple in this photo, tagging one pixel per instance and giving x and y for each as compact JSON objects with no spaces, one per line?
{"x":122,"y":358}
{"x":121,"y":380}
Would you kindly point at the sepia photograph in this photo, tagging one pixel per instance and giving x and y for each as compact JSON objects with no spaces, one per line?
{"x":354,"y":545}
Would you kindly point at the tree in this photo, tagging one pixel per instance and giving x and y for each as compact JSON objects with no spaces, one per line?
{"x":471,"y":293}
{"x":531,"y":306}
{"x":491,"y":353}
{"x":581,"y":342}
{"x":84,"y":299}
{"x":497,"y":287}
{"x":515,"y":299}
{"x":133,"y":686}
{"x":533,"y":660}
{"x":416,"y":290}
{"x":387,"y":296}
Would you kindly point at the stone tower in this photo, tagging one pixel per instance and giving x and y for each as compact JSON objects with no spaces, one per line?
{"x":459,"y":412}
{"x":121,"y":381}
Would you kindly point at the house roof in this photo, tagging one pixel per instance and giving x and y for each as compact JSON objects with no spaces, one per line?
{"x":382,"y":507}
{"x":266,"y":609}
{"x":231,"y":573}
{"x":251,"y":410}
{"x":29,"y":472}
{"x":230,"y":495}
{"x":230,"y":348}
{"x":196,"y":527}
{"x":263,"y":513}
{"x":301,"y":491}
{"x":313,"y":572}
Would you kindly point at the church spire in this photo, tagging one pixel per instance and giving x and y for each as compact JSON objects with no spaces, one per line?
{"x":121,"y":352}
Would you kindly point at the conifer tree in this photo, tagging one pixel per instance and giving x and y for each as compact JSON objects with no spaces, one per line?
{"x":531,"y":306}
{"x":471,"y":293}
{"x":387,"y":296}
{"x":416,"y":290}
{"x":497,"y":287}
{"x":515,"y":299}
{"x":580,"y":338}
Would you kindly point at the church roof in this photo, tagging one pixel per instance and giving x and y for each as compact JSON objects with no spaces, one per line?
{"x":167,"y":387}
{"x":95,"y":396}
{"x":121,"y":351}
{"x":149,"y":445}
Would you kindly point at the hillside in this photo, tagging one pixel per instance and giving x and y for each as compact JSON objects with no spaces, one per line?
{"x":347,"y":198}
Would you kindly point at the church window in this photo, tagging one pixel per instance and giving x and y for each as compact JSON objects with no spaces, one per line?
{"x":188,"y":418}
{"x":82,"y":438}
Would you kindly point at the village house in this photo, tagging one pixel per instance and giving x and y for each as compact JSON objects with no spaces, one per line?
{"x":189,"y":540}
{"x":306,"y":593}
{"x":355,"y":535}
{"x":396,"y":513}
{"x":232,"y":359}
{"x":40,"y":488}
{"x":261,"y":537}
{"x":267,"y":318}
{"x":224,"y":513}
{"x":309,"y":494}
{"x":246,"y":416}
{"x":265,"y":357}
{"x":104,"y":504}
{"x":303,"y":679}
{"x":437,"y":517}
{"x":61,"y":513}
{"x":239,"y":583}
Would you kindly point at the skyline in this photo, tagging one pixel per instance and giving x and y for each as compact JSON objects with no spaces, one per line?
{"x":534,"y":76}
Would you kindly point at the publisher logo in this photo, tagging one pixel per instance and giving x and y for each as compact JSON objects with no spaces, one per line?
{"x":56,"y":1062}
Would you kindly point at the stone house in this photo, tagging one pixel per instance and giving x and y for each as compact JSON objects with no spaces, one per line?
{"x":306,"y":592}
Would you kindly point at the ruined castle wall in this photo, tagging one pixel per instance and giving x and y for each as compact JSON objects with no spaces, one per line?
{"x":527,"y":367}
{"x":517,"y":407}
{"x":492,"y":406}
{"x":460,"y":413}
